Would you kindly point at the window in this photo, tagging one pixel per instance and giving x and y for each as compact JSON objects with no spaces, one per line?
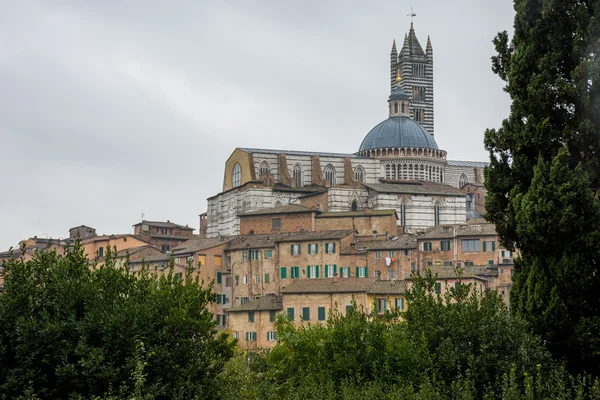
{"x":468,"y":263}
{"x":272,"y":316}
{"x":378,"y":254}
{"x":330,"y":270}
{"x":267,"y":278}
{"x":359,"y":174}
{"x":245,"y":279}
{"x":256,"y":278}
{"x":447,"y":263}
{"x":381,"y":305}
{"x":427,"y":246}
{"x":436,"y":215}
{"x":244,"y":300}
{"x":179,"y":276}
{"x":395,"y":107}
{"x":354,"y":206}
{"x":295,"y":249}
{"x":164,"y":247}
{"x":290,"y":313}
{"x":391,"y":274}
{"x":391,"y":253}
{"x":399,"y":303}
{"x":456,"y":285}
{"x":403,"y":214}
{"x":463,"y":181}
{"x":489,"y":246}
{"x":236,"y":178}
{"x":438,"y":288}
{"x":264,"y":168}
{"x":313,"y":248}
{"x":236,"y":335}
{"x":237,"y":280}
{"x":219,"y":277}
{"x":418,"y":70}
{"x":253,"y":254}
{"x":295,"y":272}
{"x":244,"y":255}
{"x":201,"y":259}
{"x":362,"y":272}
{"x":330,"y":175}
{"x":312,"y":271}
{"x":297,"y":173}
{"x":218,"y":261}
{"x":429,"y":263}
{"x":418,"y":93}
{"x":470,"y":245}
{"x":445,"y":245}
{"x":345,"y":272}
{"x":283,"y":272}
{"x":348,"y":310}
{"x":250,"y":336}
{"x":419,"y":115}
{"x":321,"y":313}
{"x":330,"y":248}
{"x":251,"y":316}
{"x":276,"y":224}
{"x":101,"y":252}
{"x":490,"y":262}
{"x":306,"y":313}
{"x":271,"y":336}
{"x":268,"y":254}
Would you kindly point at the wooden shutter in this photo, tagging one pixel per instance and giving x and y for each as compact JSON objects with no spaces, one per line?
{"x":283,"y":273}
{"x":317,"y":248}
{"x":333,"y":250}
{"x":484,"y":246}
{"x":317,"y":267}
{"x":334,"y":269}
{"x":326,"y":271}
{"x":493,"y":246}
{"x":366,"y":272}
{"x":308,"y":271}
{"x":357,"y":272}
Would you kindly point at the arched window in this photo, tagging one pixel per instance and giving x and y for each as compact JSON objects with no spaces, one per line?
{"x":278,"y":203}
{"x":436,"y":214}
{"x":387,"y":171}
{"x":330,"y":175}
{"x":264,"y":168}
{"x":236,"y":178}
{"x":355,"y":205}
{"x":403,"y":108}
{"x":463,"y":181}
{"x":297,"y":173}
{"x":393,"y":171}
{"x":403,"y":214}
{"x":395,"y":108}
{"x":405,"y":171}
{"x":359,"y":174}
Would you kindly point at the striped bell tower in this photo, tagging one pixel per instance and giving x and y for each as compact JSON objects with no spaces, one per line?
{"x":412,"y":69}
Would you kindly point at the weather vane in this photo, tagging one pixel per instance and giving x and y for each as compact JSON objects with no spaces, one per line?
{"x":411,"y":15}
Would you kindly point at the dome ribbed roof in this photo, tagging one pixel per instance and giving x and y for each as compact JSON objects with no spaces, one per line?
{"x":398,"y":132}
{"x":398,"y":94}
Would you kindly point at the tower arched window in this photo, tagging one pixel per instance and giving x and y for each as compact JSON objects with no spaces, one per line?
{"x":236,"y":177}
{"x":395,"y":108}
{"x":403,"y":214}
{"x":463,"y":181}
{"x":297,"y":174}
{"x":359,"y":174}
{"x":403,"y":108}
{"x":264,"y":168}
{"x":330,"y":175}
{"x":393,"y":171}
{"x":387,"y":171}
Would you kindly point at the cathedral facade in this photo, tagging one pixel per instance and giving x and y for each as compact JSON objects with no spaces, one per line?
{"x":397,"y":166}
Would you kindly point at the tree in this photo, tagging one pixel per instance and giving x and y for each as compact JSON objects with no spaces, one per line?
{"x":68,"y":330}
{"x":544,"y":176}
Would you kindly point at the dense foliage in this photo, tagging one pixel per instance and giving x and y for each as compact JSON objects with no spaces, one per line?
{"x":544,"y":178}
{"x":70,"y":330}
{"x":459,"y":345}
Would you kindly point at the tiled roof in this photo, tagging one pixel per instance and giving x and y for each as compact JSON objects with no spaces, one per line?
{"x":463,"y":230}
{"x":153,"y":258}
{"x":416,"y":187}
{"x":134,"y":250}
{"x":268,"y":302}
{"x":269,"y":240}
{"x":452,"y":273}
{"x":194,"y":245}
{"x":484,"y":270}
{"x":298,"y":153}
{"x":287,"y":209}
{"x":387,"y":287}
{"x":328,"y":285}
{"x":361,"y":213}
{"x":162,"y":224}
{"x":404,"y":242}
{"x":474,"y":164}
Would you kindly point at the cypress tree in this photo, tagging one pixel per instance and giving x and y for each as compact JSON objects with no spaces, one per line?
{"x":544,"y":176}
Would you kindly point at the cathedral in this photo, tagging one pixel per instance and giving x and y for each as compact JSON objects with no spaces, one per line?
{"x":397,"y":166}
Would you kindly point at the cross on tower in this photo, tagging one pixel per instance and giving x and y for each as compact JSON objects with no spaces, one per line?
{"x":411,"y":15}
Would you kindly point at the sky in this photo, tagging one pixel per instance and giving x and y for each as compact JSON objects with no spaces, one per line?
{"x":117,"y":108}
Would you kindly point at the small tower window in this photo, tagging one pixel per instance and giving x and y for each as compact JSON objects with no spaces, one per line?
{"x":396,"y":108}
{"x":264,"y":168}
{"x":403,"y":108}
{"x":463,"y":181}
{"x":403,"y":214}
{"x":237,"y":175}
{"x":359,"y":174}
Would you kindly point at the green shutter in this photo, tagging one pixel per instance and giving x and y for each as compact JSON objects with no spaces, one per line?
{"x":218,"y":277}
{"x":317,"y":267}
{"x":291,"y":249}
{"x":306,"y":313}
{"x":384,"y":304}
{"x":366,"y":272}
{"x":290,"y":313}
{"x":308,"y":271}
{"x":317,"y":248}
{"x":494,"y":246}
{"x":333,"y":247}
{"x":326,"y":271}
{"x":283,"y":273}
{"x":321,"y":315}
{"x":484,"y":246}
{"x":357,"y":272}
{"x":334,"y":269}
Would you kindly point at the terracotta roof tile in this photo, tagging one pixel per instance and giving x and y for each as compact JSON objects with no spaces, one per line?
{"x":268,"y":302}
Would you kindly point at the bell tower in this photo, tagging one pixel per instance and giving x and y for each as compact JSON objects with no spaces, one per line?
{"x":412,"y":70}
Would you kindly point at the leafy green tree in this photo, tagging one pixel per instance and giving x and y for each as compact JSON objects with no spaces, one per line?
{"x":544,"y":176}
{"x":68,"y":330}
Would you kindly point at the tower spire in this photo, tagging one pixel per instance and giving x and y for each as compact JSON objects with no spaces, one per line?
{"x":394,"y":47}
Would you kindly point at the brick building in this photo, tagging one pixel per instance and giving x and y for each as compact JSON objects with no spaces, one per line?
{"x":163,"y":235}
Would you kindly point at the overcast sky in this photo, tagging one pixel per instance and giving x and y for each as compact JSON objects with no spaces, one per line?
{"x":113,"y":108}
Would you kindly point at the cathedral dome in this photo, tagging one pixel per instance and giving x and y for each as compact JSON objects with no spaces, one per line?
{"x":398,"y":131}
